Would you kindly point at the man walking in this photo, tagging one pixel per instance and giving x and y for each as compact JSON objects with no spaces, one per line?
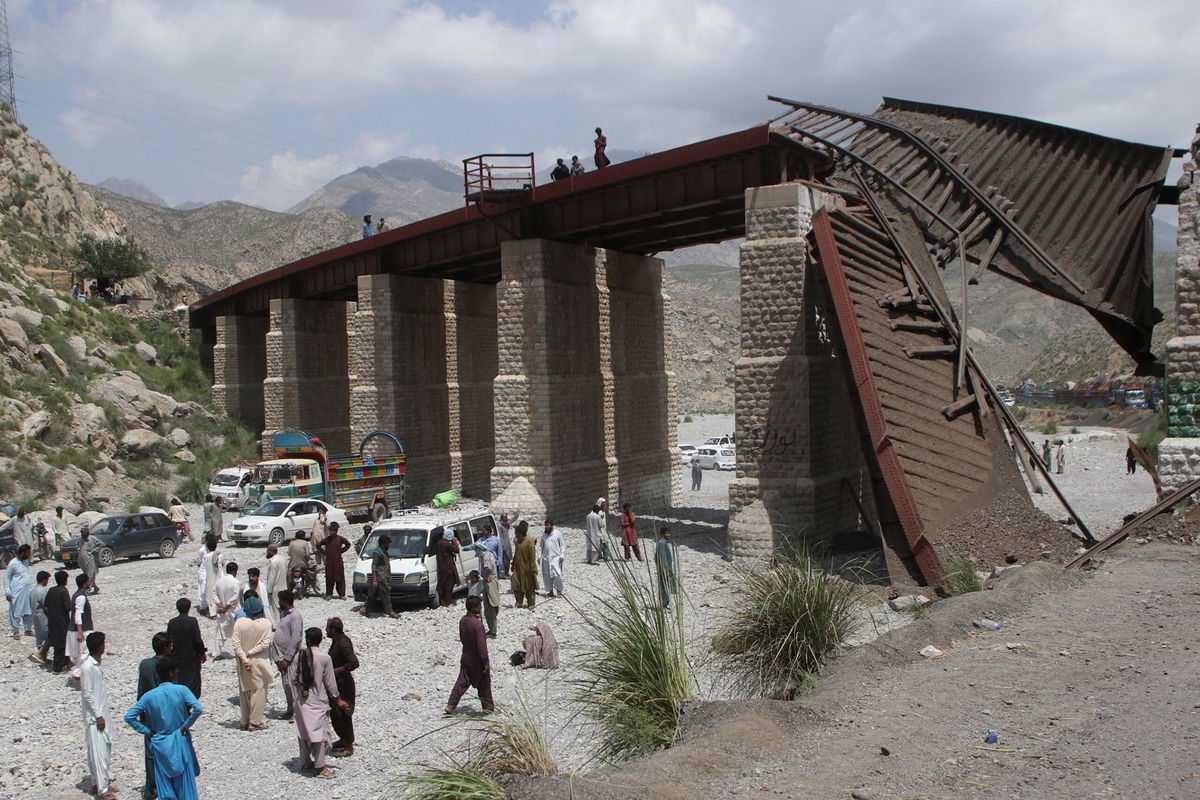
{"x":286,"y":642}
{"x":58,"y":619}
{"x":16,"y":591}
{"x":665,"y":561}
{"x":251,"y":641}
{"x":379,"y":592}
{"x":165,"y":716}
{"x":554,"y":558}
{"x":187,"y":646}
{"x":87,"y":558}
{"x":697,"y":475}
{"x":93,"y":699}
{"x":475,"y":668}
{"x":331,"y":549}
{"x":277,"y":578}
{"x":345,"y":661}
{"x":594,"y":537}
{"x":229,"y":600}
{"x":524,"y":569}
{"x":148,"y":679}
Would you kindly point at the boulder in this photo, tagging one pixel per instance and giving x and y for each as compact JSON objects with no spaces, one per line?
{"x":87,"y":426}
{"x":128,"y":393}
{"x":22,"y":314}
{"x":146,"y":352}
{"x":102,"y":352}
{"x":191,"y":408}
{"x":13,"y":335}
{"x":35,"y":425}
{"x":187,"y":456}
{"x":78,"y":346}
{"x":909,"y":602}
{"x":179,"y":437}
{"x":51,"y":360}
{"x":141,"y":442}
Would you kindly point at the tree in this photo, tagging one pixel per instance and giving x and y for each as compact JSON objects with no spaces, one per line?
{"x":109,"y":261}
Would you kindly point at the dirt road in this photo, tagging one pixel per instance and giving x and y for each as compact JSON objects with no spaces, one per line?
{"x":1090,"y":687}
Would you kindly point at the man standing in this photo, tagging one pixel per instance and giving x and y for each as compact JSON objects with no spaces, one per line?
{"x":213,"y":562}
{"x":187,"y":645}
{"x":629,"y":534}
{"x":148,"y":679}
{"x":554,"y":557}
{"x":285,"y":644}
{"x":697,"y":475}
{"x":93,"y":698}
{"x":62,"y":531}
{"x":1046,"y":453}
{"x":21,"y":527}
{"x":665,"y":561}
{"x":366,"y":230}
{"x":593,"y":536}
{"x":277,"y":578}
{"x":87,"y":557}
{"x":251,"y":641}
{"x":524,"y":569}
{"x":447,"y":567}
{"x":320,"y":530}
{"x":165,"y":716}
{"x":216,"y":513}
{"x":58,"y":619}
{"x":379,"y":592}
{"x":16,"y":591}
{"x":315,"y":690}
{"x":345,"y":661}
{"x":505,"y":536}
{"x":475,"y":668}
{"x":81,"y":623}
{"x":1130,"y":461}
{"x":229,"y":599}
{"x":492,"y":543}
{"x":255,"y":585}
{"x":41,"y":627}
{"x":601,"y":143}
{"x":331,"y":549}
{"x":1060,"y":457}
{"x":206,"y":512}
{"x":491,"y":585}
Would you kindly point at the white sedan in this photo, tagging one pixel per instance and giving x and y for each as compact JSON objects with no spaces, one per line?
{"x":276,"y":522}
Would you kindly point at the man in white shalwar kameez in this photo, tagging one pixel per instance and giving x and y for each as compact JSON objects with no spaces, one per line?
{"x":213,"y":569}
{"x":554,"y":557}
{"x":276,"y":581}
{"x":93,"y":697}
{"x":228,"y":600}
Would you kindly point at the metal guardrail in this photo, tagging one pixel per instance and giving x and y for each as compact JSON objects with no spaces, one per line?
{"x":492,"y":176}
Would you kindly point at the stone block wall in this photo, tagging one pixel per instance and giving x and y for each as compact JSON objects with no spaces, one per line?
{"x":798,"y":451}
{"x":471,"y":318}
{"x":1179,"y":454}
{"x":239,"y":367}
{"x":307,"y":384}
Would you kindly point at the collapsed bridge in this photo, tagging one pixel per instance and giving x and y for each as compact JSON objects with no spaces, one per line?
{"x":516,"y":346}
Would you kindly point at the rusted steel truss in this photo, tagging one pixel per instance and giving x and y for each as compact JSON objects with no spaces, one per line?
{"x":1166,"y":504}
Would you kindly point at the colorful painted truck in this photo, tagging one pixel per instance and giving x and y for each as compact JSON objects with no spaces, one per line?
{"x":359,"y":485}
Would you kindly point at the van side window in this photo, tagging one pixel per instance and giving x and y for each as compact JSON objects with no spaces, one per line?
{"x":462,"y":532}
{"x":478,"y":524}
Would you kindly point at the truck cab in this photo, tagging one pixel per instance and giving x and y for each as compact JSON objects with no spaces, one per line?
{"x":232,"y":485}
{"x":290,"y":477}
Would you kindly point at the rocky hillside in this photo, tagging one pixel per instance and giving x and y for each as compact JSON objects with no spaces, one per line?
{"x":92,"y":401}
{"x":702,"y":346}
{"x":221,"y":243}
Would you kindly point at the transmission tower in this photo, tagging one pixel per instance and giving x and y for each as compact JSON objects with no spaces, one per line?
{"x":8,"y":95}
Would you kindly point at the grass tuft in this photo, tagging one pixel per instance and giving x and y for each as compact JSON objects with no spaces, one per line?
{"x":959,"y":575}
{"x":790,"y":614}
{"x":455,"y":781}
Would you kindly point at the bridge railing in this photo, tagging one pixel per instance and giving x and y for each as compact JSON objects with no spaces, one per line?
{"x":496,"y":176}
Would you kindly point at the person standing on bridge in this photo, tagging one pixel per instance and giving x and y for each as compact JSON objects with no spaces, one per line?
{"x":601,"y":143}
{"x":366,"y":226}
{"x":381,"y":226}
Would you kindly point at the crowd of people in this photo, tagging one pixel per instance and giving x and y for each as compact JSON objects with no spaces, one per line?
{"x":258,"y":627}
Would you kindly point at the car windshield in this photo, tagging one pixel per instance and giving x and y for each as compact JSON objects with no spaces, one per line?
{"x":405,"y":543}
{"x":686,"y":447}
{"x":274,"y":508}
{"x":108,"y":525}
{"x":276,"y":473}
{"x":726,"y":452}
{"x":221,"y":479}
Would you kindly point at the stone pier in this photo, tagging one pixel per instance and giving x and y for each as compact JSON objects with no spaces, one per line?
{"x":307,"y":384}
{"x":239,"y":367}
{"x":798,"y":449}
{"x":583,"y":400}
{"x":1179,"y":454}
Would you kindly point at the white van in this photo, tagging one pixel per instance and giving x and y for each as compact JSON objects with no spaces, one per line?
{"x":415,"y":534}
{"x":232,"y":485}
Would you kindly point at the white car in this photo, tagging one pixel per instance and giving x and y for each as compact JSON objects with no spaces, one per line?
{"x":688,"y":452}
{"x":716,"y":458}
{"x":276,"y":522}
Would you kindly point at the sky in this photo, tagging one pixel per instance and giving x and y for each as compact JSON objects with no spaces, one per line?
{"x":263,"y":101}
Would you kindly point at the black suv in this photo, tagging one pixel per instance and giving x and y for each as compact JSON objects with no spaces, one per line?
{"x":126,"y":536}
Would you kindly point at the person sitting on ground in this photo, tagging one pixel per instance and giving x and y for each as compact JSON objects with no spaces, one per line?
{"x":576,"y":166}
{"x":541,"y":648}
{"x":560,"y":171}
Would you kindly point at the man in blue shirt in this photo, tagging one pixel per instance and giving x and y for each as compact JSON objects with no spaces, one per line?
{"x":367,"y":226}
{"x":492,"y":542}
{"x":170,"y":710}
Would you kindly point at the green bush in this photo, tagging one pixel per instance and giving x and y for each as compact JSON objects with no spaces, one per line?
{"x":150,"y":497}
{"x":1050,"y":428}
{"x":958,"y":574}
{"x":790,"y":614}
{"x":109,"y":261}
{"x":454,"y":781}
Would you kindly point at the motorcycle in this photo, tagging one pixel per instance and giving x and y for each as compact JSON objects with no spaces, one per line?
{"x":303,"y":581}
{"x":43,"y":550}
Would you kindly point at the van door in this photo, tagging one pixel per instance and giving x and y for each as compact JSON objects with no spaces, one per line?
{"x":467,"y":560}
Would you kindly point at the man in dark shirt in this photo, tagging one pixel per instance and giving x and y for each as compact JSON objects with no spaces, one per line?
{"x":345,"y":661}
{"x":332,"y":547}
{"x":147,"y":680}
{"x":561,"y":171}
{"x":58,"y":616}
{"x":187,"y":645}
{"x":475,"y":668}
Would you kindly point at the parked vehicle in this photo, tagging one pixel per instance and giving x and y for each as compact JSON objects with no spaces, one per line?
{"x":42,"y":549}
{"x":8,"y":542}
{"x":716,"y":458}
{"x":232,"y":485}
{"x":414,"y":534}
{"x":127,"y":536}
{"x":717,"y":441}
{"x":303,"y":580}
{"x":688,"y":452}
{"x":276,"y":522}
{"x":359,"y":485}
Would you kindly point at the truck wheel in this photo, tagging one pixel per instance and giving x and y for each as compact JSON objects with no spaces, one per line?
{"x":276,"y":537}
{"x":378,"y":511}
{"x":105,"y":557}
{"x":167,"y":548}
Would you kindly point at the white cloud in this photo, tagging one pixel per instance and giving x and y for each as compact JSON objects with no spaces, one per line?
{"x":87,"y":130}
